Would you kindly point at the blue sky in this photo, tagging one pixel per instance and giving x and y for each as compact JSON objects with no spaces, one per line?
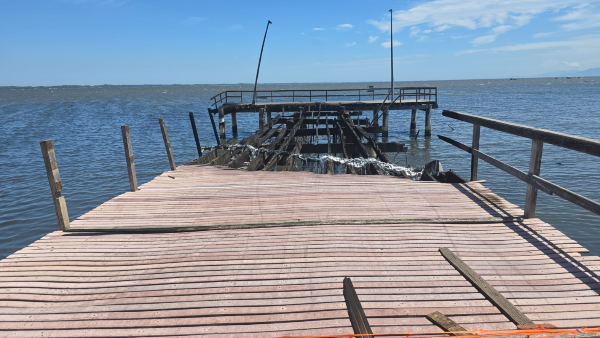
{"x":92,"y":42}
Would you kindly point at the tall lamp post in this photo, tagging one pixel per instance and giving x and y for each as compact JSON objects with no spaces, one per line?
{"x":259,"y":59}
{"x":392,"y":51}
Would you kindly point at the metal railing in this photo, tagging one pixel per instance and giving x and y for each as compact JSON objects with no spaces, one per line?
{"x":407,"y":95}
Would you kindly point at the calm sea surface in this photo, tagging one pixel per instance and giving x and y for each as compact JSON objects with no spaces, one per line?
{"x":84,"y":123}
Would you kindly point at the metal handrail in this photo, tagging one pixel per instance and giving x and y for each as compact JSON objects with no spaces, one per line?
{"x":418,"y":93}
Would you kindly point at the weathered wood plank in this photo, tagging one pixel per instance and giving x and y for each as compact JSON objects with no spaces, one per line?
{"x":446,"y":324}
{"x":55,"y":183}
{"x":535,"y":163}
{"x":495,"y":297}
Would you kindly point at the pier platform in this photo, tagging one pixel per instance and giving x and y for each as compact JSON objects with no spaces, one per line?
{"x":220,"y":252}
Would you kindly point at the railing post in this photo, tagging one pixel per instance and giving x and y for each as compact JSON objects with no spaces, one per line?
{"x":60,"y":206}
{"x":261,"y":118}
{"x":195,"y":131}
{"x":475,"y":145}
{"x":375,"y":117}
{"x":234,"y":128}
{"x":385,"y":121}
{"x":133,"y":186}
{"x":535,"y":163}
{"x":222,"y":123}
{"x":163,"y":129}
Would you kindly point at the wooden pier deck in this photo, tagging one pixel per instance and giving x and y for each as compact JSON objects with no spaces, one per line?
{"x":276,"y":248}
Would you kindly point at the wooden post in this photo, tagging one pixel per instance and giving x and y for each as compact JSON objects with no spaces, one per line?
{"x":196,"y":138}
{"x":222,"y":124}
{"x":282,"y":112}
{"x":375,"y":118}
{"x":133,"y":186}
{"x":413,"y":121}
{"x":261,"y":118}
{"x":163,"y":129}
{"x":535,"y":162}
{"x":60,"y":206}
{"x":234,"y":129}
{"x":269,"y":118}
{"x":386,"y":116}
{"x":428,"y":121}
{"x":475,"y":159}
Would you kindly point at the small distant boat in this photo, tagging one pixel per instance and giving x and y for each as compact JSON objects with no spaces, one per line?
{"x":513,"y":79}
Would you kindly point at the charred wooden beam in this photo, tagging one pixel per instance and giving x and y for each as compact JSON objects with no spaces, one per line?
{"x":289,"y":166}
{"x":354,"y":136}
{"x":380,"y":155}
{"x":329,"y":163}
{"x":330,"y":121}
{"x":259,"y":161}
{"x":358,"y":319}
{"x":323,"y":131}
{"x":238,"y":157}
{"x":272,"y":162}
{"x":350,"y":148}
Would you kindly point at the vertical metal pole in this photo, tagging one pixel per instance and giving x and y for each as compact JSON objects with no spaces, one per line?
{"x":163,"y":129}
{"x":259,"y":59}
{"x":475,"y":145}
{"x":60,"y":206}
{"x":133,"y":186}
{"x":535,"y":162}
{"x":392,"y":51}
{"x":198,"y":147}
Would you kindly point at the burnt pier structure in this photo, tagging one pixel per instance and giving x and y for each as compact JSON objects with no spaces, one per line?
{"x":379,"y":101}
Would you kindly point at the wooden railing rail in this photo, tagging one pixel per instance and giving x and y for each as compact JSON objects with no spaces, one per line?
{"x":315,"y":95}
{"x":532,"y":178}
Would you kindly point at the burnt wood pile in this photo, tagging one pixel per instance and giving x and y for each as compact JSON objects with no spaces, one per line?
{"x":291,"y":143}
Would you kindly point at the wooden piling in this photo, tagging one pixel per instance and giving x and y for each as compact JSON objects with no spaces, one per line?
{"x":269,"y":118}
{"x":60,"y":206}
{"x":222,"y":124}
{"x":234,"y":128}
{"x":413,"y":121}
{"x":195,"y":131}
{"x":163,"y":129}
{"x":428,"y":121}
{"x":375,"y":117}
{"x":261,"y":118}
{"x":475,"y":159}
{"x":133,"y":186}
{"x":535,"y":162}
{"x":386,"y":115}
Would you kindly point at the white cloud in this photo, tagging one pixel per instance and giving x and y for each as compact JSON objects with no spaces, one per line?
{"x":502,"y":29}
{"x":387,"y":44}
{"x":344,"y":26}
{"x":318,"y":29}
{"x":350,"y":44}
{"x":414,"y":31}
{"x":570,"y":64}
{"x":543,"y":35}
{"x":587,"y":43}
{"x":499,"y":16}
{"x":373,"y":38}
{"x":484,"y":39}
{"x":585,"y":16}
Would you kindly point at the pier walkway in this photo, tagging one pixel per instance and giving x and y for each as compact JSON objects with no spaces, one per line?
{"x":274,"y":253}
